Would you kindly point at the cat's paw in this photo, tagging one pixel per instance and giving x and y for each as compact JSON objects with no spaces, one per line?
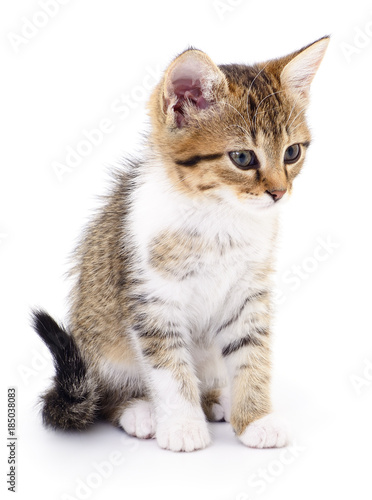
{"x":139,"y":420}
{"x":183,"y":434}
{"x":225,"y":402}
{"x":266,"y":432}
{"x":217,"y":413}
{"x":221,"y":409}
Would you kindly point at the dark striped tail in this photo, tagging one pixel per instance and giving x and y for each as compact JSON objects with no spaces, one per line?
{"x":72,"y":401}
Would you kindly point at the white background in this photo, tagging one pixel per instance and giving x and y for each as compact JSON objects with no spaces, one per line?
{"x":65,"y":79}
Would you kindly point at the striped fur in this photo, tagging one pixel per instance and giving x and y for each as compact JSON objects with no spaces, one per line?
{"x":170,"y":312}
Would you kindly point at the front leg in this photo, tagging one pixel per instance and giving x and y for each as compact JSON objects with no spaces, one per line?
{"x":164,"y":347}
{"x":245,"y":341}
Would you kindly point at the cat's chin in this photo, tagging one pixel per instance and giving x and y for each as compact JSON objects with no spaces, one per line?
{"x":264,"y":204}
{"x":259,"y":205}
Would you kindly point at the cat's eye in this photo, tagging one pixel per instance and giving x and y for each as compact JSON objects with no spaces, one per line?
{"x":245,"y":159}
{"x":292,"y":154}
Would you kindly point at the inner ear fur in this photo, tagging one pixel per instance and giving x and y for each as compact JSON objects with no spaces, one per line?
{"x":192,"y":83}
{"x":297,"y":70}
{"x":298,"y":74}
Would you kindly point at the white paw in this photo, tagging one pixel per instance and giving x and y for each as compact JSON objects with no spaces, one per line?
{"x":183,"y":434}
{"x":266,"y":432}
{"x":217,"y":412}
{"x":139,"y":419}
{"x":225,"y":402}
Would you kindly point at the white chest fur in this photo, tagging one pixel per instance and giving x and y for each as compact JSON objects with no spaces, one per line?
{"x":222,"y":270}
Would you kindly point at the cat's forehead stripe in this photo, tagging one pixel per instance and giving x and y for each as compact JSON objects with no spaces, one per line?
{"x":261,"y":98}
{"x":192,"y":161}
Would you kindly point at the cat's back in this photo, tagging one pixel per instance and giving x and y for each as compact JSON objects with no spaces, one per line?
{"x":101,"y":263}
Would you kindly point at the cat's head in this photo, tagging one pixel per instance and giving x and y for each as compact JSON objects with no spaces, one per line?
{"x":235,"y":132}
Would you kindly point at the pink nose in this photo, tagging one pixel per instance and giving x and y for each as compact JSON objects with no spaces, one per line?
{"x":277,"y":194}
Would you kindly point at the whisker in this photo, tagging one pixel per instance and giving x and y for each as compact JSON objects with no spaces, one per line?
{"x":267,"y":110}
{"x":262,"y":100}
{"x":233,"y":107}
{"x":303,"y":121}
{"x":293,"y":107}
{"x":250,"y":87}
{"x":298,"y":114}
{"x":239,"y":126}
{"x":290,"y":114}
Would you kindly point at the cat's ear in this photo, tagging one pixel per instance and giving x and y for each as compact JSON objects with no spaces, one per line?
{"x":191,"y":83}
{"x":299,"y":72}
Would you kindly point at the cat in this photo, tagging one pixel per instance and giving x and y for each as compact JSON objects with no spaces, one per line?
{"x":171,"y":309}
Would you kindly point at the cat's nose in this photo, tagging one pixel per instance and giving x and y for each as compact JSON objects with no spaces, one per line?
{"x":277,"y":194}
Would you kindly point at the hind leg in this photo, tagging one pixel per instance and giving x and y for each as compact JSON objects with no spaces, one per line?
{"x":216,"y":404}
{"x":133,"y":414}
{"x":128,"y":406}
{"x":214,"y":383}
{"x":138,"y":418}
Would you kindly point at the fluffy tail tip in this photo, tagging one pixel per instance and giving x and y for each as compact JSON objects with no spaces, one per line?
{"x":72,"y":402}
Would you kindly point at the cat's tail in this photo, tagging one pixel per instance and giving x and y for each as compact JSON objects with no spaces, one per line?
{"x":72,"y":401}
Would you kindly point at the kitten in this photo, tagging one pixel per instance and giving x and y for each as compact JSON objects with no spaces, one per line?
{"x":170,"y":313}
